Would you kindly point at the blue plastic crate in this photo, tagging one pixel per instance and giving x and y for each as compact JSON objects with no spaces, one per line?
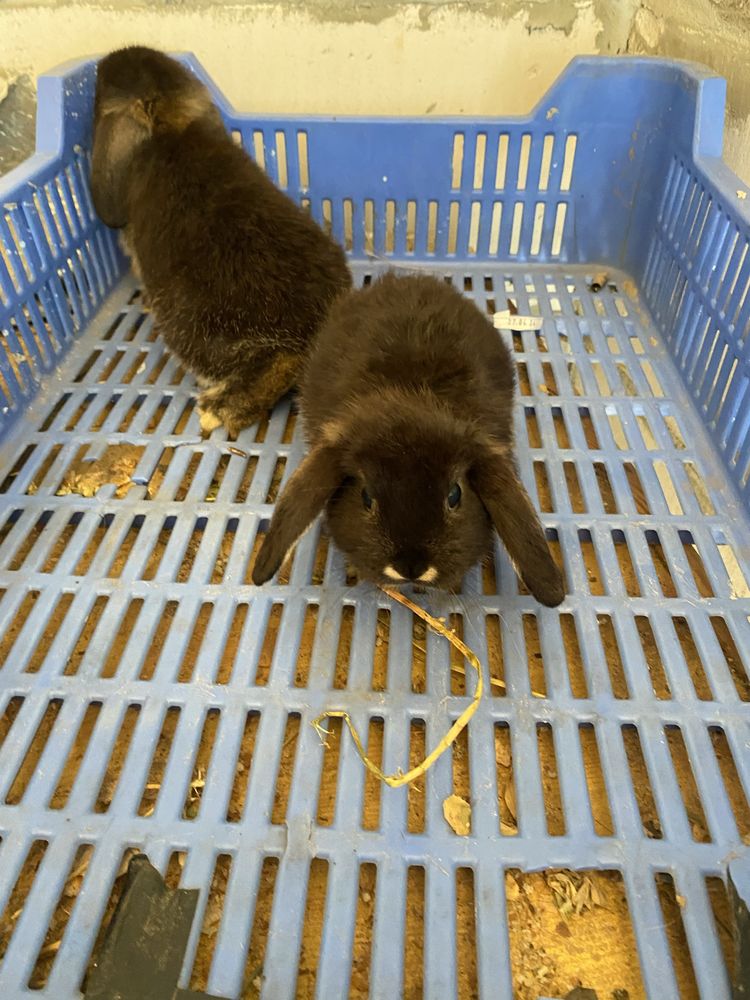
{"x":129,"y":629}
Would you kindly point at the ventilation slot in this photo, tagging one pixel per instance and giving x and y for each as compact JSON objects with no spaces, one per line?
{"x":28,"y":767}
{"x":212,"y":921}
{"x":553,"y":917}
{"x":317,"y":885}
{"x":66,"y":904}
{"x":261,"y":923}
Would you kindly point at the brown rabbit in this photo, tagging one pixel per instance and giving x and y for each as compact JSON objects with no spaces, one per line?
{"x":239,"y":277}
{"x":408,"y":406}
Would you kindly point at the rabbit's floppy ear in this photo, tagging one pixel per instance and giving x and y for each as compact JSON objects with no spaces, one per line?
{"x":304,"y":497}
{"x":118,"y":132}
{"x":495,"y":478}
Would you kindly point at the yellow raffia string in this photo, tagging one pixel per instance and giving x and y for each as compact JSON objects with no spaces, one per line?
{"x":399,"y":778}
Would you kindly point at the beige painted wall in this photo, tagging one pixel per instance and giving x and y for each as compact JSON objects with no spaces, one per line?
{"x":390,"y":57}
{"x":346,"y":57}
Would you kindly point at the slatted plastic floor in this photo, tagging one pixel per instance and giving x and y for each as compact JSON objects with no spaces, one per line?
{"x":150,"y":696}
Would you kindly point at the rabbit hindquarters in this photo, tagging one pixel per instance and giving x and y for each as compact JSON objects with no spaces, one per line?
{"x":236,"y":403}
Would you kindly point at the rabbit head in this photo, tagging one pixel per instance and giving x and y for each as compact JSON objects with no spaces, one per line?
{"x":139,"y":92}
{"x":412,"y":493}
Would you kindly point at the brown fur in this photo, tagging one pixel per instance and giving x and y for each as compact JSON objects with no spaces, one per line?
{"x":238,"y":277}
{"x":408,"y":394}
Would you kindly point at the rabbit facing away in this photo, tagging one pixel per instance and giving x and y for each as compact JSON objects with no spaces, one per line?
{"x":407,"y":399}
{"x":238,"y":277}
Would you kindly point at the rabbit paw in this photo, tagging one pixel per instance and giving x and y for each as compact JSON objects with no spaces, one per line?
{"x":208,"y":420}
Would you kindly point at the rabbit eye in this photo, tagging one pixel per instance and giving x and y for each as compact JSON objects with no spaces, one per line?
{"x":366,"y":500}
{"x":454,"y":496}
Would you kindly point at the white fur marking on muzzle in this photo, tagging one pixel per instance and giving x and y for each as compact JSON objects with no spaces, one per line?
{"x":391,"y":573}
{"x":429,"y":575}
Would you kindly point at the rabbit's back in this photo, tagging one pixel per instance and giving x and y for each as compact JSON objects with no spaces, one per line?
{"x":222,"y":251}
{"x":238,"y":276}
{"x":415,"y":334}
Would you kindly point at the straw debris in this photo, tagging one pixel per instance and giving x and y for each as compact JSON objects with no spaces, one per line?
{"x":400,"y":778}
{"x":116,"y":466}
{"x":574,"y":893}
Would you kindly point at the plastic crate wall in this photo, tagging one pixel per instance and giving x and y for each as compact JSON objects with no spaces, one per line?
{"x":57,"y":260}
{"x":577,"y":181}
{"x":696,"y":282}
{"x":558,"y":186}
{"x":580,"y":181}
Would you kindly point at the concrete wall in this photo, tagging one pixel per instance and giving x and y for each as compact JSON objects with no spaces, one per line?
{"x":344,"y":56}
{"x":376,"y":56}
{"x":714,"y":32}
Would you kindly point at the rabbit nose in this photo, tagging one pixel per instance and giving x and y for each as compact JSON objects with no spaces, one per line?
{"x":411,"y":566}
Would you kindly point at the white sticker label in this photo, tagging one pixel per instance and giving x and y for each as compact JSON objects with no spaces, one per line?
{"x":505,"y":321}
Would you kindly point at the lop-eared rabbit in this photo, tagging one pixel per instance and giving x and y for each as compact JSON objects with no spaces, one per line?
{"x":238,"y":277}
{"x":408,"y":407}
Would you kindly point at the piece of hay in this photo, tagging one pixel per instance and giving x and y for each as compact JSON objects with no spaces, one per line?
{"x":456,"y":668}
{"x":457,"y":812}
{"x":495,"y":682}
{"x":399,"y":779}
